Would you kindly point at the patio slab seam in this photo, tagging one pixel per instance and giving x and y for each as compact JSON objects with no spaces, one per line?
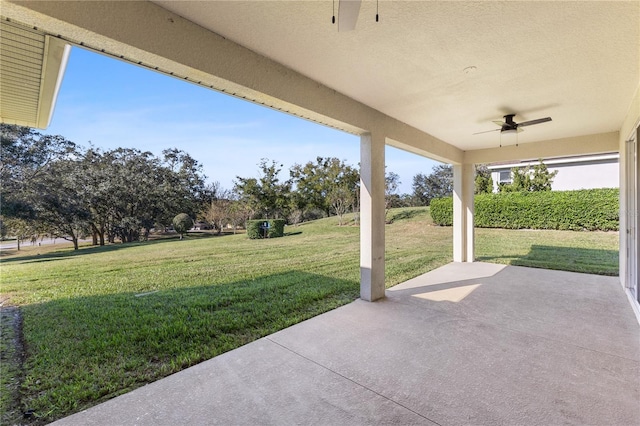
{"x":352,"y":381}
{"x":513,"y":330}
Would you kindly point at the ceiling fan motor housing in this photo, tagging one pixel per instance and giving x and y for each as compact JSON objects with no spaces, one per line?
{"x":509,"y":124}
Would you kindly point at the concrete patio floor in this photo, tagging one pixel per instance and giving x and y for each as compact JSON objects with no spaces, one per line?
{"x":472,"y":343}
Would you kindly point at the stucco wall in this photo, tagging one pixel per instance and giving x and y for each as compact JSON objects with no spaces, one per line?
{"x":586,"y":176}
{"x":577,"y":175}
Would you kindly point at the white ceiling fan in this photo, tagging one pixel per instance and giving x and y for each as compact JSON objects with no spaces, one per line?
{"x":510,"y":126}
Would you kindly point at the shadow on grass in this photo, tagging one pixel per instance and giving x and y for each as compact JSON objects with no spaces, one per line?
{"x":68,"y":252}
{"x":591,"y":261}
{"x":288,"y":234}
{"x":125,"y":340}
{"x":405,"y":214}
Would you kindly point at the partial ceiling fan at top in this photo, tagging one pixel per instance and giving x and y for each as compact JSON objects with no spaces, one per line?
{"x":348,"y":12}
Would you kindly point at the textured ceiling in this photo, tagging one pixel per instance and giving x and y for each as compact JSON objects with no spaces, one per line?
{"x":450,"y":68}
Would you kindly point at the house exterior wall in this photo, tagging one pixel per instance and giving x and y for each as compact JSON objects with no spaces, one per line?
{"x":588,"y":173}
{"x":629,"y":200}
{"x":602,"y":174}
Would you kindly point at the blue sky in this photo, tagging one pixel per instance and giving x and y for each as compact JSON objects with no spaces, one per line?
{"x":110,"y":104}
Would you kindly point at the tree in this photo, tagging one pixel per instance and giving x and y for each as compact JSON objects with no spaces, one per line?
{"x":521,"y":180}
{"x":265,"y":195}
{"x":182,"y":223}
{"x":527,"y":180}
{"x":218,"y":211}
{"x":484,"y":182}
{"x":41,"y":183}
{"x":69,"y":191}
{"x":435,"y":185}
{"x":295,"y":216}
{"x":58,"y":206}
{"x":239,"y":212}
{"x":341,"y":199}
{"x":314,"y":182}
{"x":21,"y":229}
{"x":542,"y":177}
{"x":139,"y":193}
{"x":99,"y":193}
{"x":184,"y":184}
{"x":406,"y":200}
{"x":24,"y":157}
{"x":392,"y":182}
{"x":129,"y":191}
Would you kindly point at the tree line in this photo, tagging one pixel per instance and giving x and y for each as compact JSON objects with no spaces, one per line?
{"x":329,"y":186}
{"x":53,"y":186}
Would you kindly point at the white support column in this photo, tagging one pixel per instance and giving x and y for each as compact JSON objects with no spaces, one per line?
{"x":463,"y":209}
{"x":372,"y":223}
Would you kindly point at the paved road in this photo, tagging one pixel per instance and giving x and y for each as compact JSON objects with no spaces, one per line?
{"x":5,"y":245}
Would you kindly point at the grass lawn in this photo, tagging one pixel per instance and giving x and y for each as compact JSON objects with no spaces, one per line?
{"x":104,"y":320}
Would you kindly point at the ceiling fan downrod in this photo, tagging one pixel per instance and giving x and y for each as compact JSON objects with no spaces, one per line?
{"x":352,"y":13}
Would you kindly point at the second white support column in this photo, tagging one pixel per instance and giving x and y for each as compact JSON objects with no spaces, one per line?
{"x":463,"y":211}
{"x":372,"y":221}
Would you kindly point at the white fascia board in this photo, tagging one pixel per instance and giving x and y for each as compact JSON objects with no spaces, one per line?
{"x":557,"y":161}
{"x":597,"y":144}
{"x":54,"y":64}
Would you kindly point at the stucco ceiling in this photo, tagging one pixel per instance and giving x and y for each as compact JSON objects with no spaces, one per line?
{"x":450,"y":68}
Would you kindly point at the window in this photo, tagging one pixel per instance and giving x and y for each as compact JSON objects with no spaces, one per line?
{"x":504,"y":177}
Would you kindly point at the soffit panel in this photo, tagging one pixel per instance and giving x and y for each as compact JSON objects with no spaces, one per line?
{"x":31,"y":68}
{"x":21,"y":57}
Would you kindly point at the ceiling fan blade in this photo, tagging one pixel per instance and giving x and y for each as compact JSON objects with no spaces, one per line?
{"x":348,"y":11}
{"x":499,"y":123}
{"x":532,"y":122}
{"x":486,"y":131}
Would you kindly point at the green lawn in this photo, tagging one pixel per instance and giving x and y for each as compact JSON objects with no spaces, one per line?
{"x":589,"y":252}
{"x":105,"y":320}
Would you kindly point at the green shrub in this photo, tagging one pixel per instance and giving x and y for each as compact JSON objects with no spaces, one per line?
{"x":255,"y":228}
{"x":182,"y":223}
{"x":442,"y":211}
{"x":586,"y":209}
{"x":276,"y":228}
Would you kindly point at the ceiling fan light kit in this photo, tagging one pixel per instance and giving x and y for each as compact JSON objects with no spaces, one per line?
{"x":509,"y":137}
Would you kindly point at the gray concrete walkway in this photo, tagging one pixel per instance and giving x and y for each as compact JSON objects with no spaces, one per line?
{"x":466,"y":344}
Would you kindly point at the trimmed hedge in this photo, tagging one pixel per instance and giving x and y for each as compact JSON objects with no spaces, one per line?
{"x":255,"y":230}
{"x":441,"y":210}
{"x":585,"y":209}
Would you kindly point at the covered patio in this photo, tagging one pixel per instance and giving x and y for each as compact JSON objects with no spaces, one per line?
{"x":469,"y":343}
{"x":465,"y":344}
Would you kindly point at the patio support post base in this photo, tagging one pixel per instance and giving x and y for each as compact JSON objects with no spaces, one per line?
{"x":463,"y":209}
{"x":372,"y":220}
